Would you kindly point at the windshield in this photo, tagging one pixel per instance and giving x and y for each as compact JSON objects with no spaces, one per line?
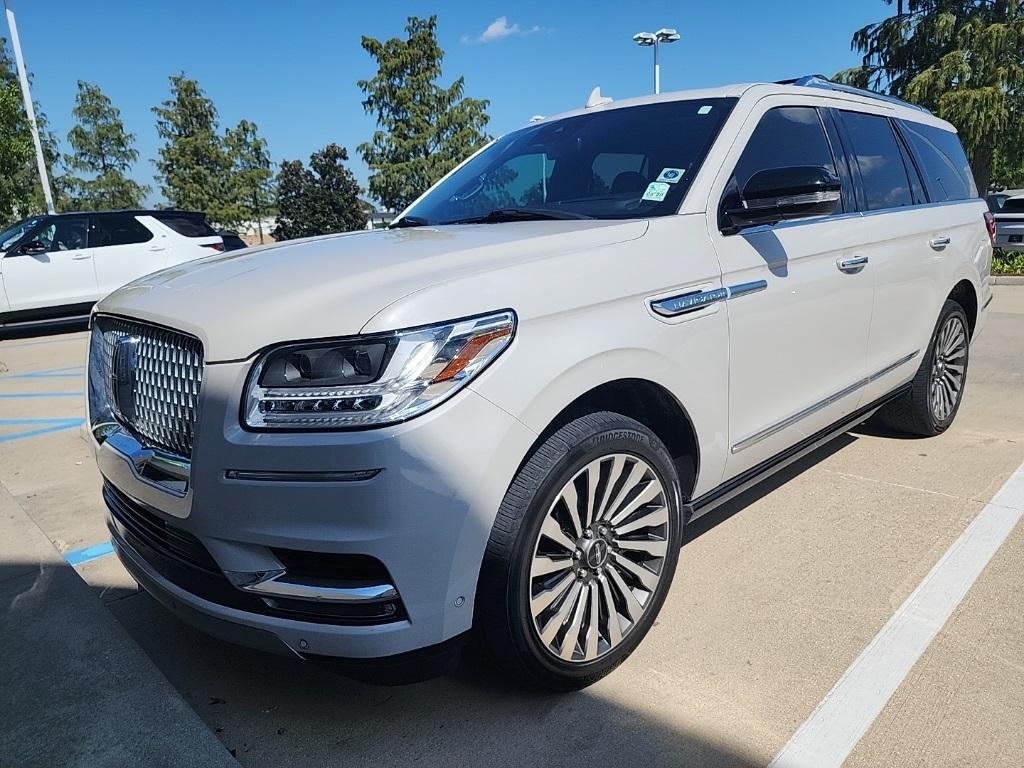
{"x":631,"y":162}
{"x":10,"y":236}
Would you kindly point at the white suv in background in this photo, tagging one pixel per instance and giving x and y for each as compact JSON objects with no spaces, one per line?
{"x":58,"y":266}
{"x":498,"y":414}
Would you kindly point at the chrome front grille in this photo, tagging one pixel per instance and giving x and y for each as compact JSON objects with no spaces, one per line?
{"x":147,"y":379}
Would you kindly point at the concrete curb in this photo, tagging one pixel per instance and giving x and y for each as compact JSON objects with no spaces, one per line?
{"x":77,"y":689}
{"x":1007,"y":279}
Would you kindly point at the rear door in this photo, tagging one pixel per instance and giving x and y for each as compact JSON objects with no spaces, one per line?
{"x":60,"y":276}
{"x":123,"y":250}
{"x":914,"y":236}
{"x":798,"y":320}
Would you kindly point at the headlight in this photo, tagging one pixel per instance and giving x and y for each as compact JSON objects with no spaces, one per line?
{"x":371,"y":380}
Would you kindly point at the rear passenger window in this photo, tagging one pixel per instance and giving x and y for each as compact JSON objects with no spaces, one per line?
{"x":947,"y":174}
{"x":882,"y":172}
{"x":117,"y":229}
{"x":786,"y":136}
{"x":186,"y":225}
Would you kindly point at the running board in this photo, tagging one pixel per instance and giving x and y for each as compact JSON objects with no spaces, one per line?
{"x":755,"y":475}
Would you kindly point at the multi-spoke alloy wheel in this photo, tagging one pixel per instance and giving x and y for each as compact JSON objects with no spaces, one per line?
{"x":582,"y":551}
{"x":598,"y":558}
{"x":948,"y":368}
{"x":930,"y":403}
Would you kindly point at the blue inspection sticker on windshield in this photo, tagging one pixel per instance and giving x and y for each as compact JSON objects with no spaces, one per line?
{"x":656,"y":191}
{"x":671,"y":175}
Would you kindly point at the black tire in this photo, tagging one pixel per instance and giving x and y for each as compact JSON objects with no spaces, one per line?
{"x":915,"y":411}
{"x":504,"y":620}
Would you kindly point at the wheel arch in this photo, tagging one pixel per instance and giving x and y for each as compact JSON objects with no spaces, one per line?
{"x":966,"y":295}
{"x":649,"y":403}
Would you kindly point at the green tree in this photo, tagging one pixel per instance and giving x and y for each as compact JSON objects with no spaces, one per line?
{"x":102,"y":149}
{"x":423,"y":130}
{"x":22,"y":191}
{"x":194,"y":166}
{"x":320,"y":199}
{"x":252,"y":178}
{"x":16,"y":153}
{"x":962,"y":59}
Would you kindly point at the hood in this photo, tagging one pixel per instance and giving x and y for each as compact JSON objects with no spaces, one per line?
{"x":241,"y":301}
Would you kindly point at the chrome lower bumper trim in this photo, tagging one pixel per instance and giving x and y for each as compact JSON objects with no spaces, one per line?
{"x":272,"y":586}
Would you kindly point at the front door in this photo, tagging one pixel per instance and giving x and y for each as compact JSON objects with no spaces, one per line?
{"x":62,"y":275}
{"x":800,"y":308}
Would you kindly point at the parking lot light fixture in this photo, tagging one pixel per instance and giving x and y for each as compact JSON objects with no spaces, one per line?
{"x":656,"y":40}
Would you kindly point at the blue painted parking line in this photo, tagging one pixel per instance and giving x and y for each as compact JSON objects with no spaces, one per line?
{"x":88,"y":554}
{"x":46,"y":426}
{"x":55,"y":373}
{"x":41,"y":394}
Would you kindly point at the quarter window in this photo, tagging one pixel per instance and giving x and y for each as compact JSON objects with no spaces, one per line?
{"x":882,"y":171}
{"x":946,"y":170}
{"x":118,"y":229}
{"x":785,"y":137}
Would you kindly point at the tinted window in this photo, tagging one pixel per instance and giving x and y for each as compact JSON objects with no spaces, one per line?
{"x":187,"y":225}
{"x":947,"y":173}
{"x":1013,"y":205}
{"x":882,"y":172}
{"x":117,"y":229}
{"x":10,"y":236}
{"x":603,"y":164}
{"x":65,"y":233}
{"x":786,"y":136}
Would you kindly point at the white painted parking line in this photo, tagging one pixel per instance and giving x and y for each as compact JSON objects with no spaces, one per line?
{"x":828,"y":736}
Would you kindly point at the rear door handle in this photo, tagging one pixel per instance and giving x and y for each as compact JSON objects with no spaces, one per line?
{"x":938,"y":243}
{"x":856,"y":264}
{"x":80,"y":256}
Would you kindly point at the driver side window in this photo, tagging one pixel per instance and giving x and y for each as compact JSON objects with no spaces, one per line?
{"x":63,"y":234}
{"x":785,"y":136}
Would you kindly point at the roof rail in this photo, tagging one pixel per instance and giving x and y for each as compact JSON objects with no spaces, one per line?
{"x":820,"y":81}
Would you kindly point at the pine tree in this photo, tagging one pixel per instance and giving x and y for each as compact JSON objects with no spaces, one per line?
{"x":102,"y":149}
{"x":252,"y":178}
{"x":962,"y":59}
{"x":424,"y":130}
{"x":318,"y":200}
{"x":193,"y":167}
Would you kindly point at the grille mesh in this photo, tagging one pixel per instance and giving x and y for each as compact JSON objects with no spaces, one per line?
{"x":165,"y":391}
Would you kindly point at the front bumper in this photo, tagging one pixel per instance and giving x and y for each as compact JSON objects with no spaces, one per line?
{"x":426,"y":516}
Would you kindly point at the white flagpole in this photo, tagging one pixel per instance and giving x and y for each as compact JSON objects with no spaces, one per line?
{"x":27,"y":96}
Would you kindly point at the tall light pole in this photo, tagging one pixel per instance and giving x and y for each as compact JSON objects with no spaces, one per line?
{"x":29,"y":110}
{"x":655,"y":40}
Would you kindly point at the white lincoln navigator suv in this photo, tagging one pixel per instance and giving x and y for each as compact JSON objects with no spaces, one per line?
{"x":499,"y":414}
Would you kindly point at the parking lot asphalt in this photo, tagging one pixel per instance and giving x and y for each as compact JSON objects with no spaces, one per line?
{"x":776,"y":597}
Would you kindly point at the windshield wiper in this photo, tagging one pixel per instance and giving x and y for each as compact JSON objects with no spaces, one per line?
{"x":409,"y":221}
{"x":519,"y":214}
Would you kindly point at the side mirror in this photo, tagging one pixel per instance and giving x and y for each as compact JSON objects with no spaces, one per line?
{"x":779,"y":194}
{"x":32,"y":248}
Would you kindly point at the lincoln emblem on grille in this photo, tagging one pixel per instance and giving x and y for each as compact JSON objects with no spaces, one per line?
{"x":122,"y":375}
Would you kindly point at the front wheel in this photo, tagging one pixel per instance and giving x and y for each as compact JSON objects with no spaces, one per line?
{"x":582,"y":552}
{"x":932,"y":402}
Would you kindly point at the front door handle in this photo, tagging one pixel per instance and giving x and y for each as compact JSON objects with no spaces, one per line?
{"x":80,"y":256}
{"x":938,"y":243}
{"x":856,"y":264}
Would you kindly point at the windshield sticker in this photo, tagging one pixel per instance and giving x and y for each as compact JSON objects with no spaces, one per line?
{"x":656,"y":191}
{"x":671,"y":175}
{"x":704,"y":110}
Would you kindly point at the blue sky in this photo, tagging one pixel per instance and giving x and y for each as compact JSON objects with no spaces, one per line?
{"x":292,"y":67}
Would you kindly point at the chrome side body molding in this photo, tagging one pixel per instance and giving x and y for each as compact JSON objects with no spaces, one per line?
{"x":673,"y":306}
{"x":811,"y":409}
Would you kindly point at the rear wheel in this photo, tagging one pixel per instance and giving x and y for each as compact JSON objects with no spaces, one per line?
{"x":582,"y":552}
{"x":933,"y":400}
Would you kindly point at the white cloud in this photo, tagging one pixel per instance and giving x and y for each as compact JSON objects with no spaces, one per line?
{"x":500,"y":28}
